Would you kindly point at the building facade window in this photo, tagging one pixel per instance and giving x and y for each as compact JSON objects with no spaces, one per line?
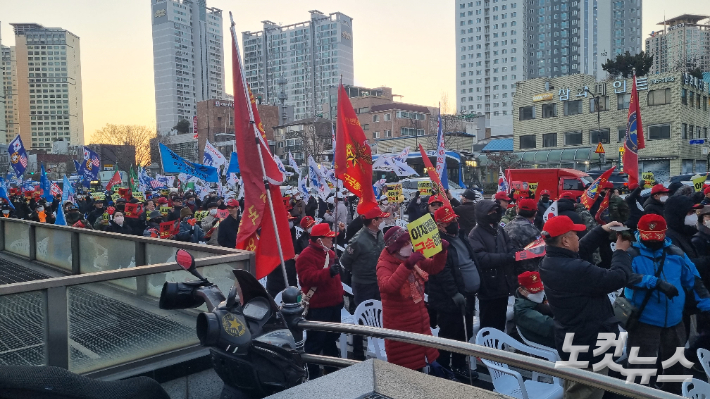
{"x":659,"y":132}
{"x":573,"y":107}
{"x":599,"y":136}
{"x":375,"y":118}
{"x":603,"y":104}
{"x":528,"y":141}
{"x":684,"y":131}
{"x":388,"y":117}
{"x":549,"y":110}
{"x":622,"y":133}
{"x":573,"y":138}
{"x":659,"y":97}
{"x":549,"y":140}
{"x":684,"y":96}
{"x":526,"y":113}
{"x":623,"y":100}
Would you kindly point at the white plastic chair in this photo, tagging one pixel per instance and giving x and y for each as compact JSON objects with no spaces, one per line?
{"x":696,"y":389}
{"x":345,"y":318}
{"x":536,"y":345}
{"x":369,"y":313}
{"x":510,"y":382}
{"x":704,"y":359}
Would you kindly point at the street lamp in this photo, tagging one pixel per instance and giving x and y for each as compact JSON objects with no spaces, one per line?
{"x":597,"y":105}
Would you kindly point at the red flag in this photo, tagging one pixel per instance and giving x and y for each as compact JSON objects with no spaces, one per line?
{"x":116,"y":179}
{"x":603,"y":207}
{"x":353,"y":156}
{"x":133,"y":211}
{"x":591,"y":194}
{"x":256,"y":224}
{"x":634,"y":140}
{"x":436,"y":187}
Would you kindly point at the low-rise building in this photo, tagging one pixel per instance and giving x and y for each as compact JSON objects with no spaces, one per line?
{"x":303,"y":138}
{"x":557,"y":122}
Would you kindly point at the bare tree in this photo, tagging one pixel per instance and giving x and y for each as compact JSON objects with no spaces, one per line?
{"x":315,"y":139}
{"x":444,"y":103}
{"x":136,"y":135}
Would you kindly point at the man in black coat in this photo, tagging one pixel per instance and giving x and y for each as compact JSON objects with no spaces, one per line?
{"x":577,"y":290}
{"x":467,"y":212}
{"x":495,"y":259}
{"x":655,"y":203}
{"x":542,"y":206}
{"x":229,"y":227}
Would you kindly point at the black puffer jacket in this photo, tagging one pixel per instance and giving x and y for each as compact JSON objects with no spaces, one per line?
{"x":541,"y":209}
{"x":494,"y":253}
{"x":654,"y":206}
{"x":467,"y":217}
{"x":681,"y":235}
{"x":577,"y":292}
{"x":566,"y":207}
{"x":448,"y":282}
{"x":633,"y":201}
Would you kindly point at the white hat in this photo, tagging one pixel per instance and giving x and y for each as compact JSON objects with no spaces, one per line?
{"x":383,"y":197}
{"x":331,"y":200}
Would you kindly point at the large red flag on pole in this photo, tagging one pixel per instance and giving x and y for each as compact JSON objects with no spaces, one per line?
{"x":436,"y":187}
{"x":353,"y":156}
{"x":264,"y":219}
{"x":634,"y":140}
{"x":116,"y":179}
{"x":591,"y":194}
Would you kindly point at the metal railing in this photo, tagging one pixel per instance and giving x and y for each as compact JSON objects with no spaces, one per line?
{"x":595,"y":380}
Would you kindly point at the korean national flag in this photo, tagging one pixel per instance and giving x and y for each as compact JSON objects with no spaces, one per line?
{"x":18,"y":156}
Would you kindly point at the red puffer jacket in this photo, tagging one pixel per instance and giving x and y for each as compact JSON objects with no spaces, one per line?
{"x":311,"y":273}
{"x":399,"y":289}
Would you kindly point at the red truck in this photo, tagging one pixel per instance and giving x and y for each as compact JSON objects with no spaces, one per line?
{"x":555,"y":180}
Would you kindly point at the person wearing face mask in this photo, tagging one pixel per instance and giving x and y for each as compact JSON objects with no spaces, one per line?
{"x":542,"y":206}
{"x":656,"y":202}
{"x":229,"y":227}
{"x":467,"y":211}
{"x":532,"y":314}
{"x":392,"y":209}
{"x":41,"y":213}
{"x":174,"y":213}
{"x":319,"y":274}
{"x":452,"y":292}
{"x":74,"y":218}
{"x":433,"y":204}
{"x":299,"y":206}
{"x":495,"y":258}
{"x":154,"y":218}
{"x":210,"y":224}
{"x":663,"y":274}
{"x":522,"y":231}
{"x":190,"y":231}
{"x":401,"y":276}
{"x":342,"y":211}
{"x":118,"y":224}
{"x":360,"y":257}
{"x":303,"y":240}
{"x":577,"y":291}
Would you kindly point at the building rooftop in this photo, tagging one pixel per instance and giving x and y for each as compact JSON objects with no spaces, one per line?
{"x":400,"y":107}
{"x":20,"y":28}
{"x":499,"y":145}
{"x":685,"y":18}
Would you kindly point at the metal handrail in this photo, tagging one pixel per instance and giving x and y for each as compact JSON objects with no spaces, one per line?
{"x":595,"y":380}
{"x":97,"y":277}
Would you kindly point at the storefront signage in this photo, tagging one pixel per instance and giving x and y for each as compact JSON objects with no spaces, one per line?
{"x":219,"y":103}
{"x":543,"y":97}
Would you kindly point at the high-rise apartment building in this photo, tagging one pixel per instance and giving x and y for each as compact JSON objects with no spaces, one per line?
{"x":46,"y":91}
{"x":9,"y":83}
{"x":682,"y":45}
{"x":3,"y":98}
{"x":500,"y":42}
{"x":310,"y":56}
{"x":188,"y":59}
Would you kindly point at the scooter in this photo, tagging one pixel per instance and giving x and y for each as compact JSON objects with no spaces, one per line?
{"x":252,"y":348}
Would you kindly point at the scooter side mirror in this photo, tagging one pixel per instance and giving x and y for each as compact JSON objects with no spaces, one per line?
{"x":187,"y":262}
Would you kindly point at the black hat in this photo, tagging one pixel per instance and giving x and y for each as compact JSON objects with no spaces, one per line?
{"x":155,"y":215}
{"x":469,"y":194}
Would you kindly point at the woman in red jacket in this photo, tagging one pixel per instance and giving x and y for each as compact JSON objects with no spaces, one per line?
{"x":319,"y":274}
{"x":401,"y":275}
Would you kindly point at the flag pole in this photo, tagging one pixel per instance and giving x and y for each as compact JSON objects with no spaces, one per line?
{"x":258,"y":146}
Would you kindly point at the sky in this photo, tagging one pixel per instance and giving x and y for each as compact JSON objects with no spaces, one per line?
{"x":408,"y":45}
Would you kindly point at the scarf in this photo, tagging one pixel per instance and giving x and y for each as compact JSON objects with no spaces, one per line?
{"x":414,"y":287}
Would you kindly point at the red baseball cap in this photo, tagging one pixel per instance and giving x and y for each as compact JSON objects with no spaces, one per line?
{"x":232,"y":203}
{"x":544,"y":192}
{"x":531,"y":282}
{"x":558,"y":225}
{"x":502,"y":195}
{"x":568,"y":195}
{"x":162,"y":200}
{"x":652,"y":227}
{"x":527,"y":204}
{"x":322,"y":230}
{"x":307,"y":222}
{"x":375,"y":212}
{"x":707,"y":190}
{"x":436,"y":198}
{"x":659,"y":189}
{"x":445,"y":215}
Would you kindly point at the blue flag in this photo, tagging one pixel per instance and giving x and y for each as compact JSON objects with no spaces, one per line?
{"x":233,"y":164}
{"x":91,"y":164}
{"x":18,"y":156}
{"x":46,"y":186}
{"x":85,"y":180}
{"x":3,"y":193}
{"x":61,"y":220}
{"x":67,"y":191}
{"x":172,"y":163}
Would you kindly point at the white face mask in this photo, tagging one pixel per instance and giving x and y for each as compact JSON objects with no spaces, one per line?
{"x":537,"y":297}
{"x":213,"y":211}
{"x":406,"y":251}
{"x":118,"y":220}
{"x":385,"y":202}
{"x":381,"y":225}
{"x":663,"y":198}
{"x":290,"y":225}
{"x":308,"y":230}
{"x":707,"y":223}
{"x":691,"y":220}
{"x":40,"y":209}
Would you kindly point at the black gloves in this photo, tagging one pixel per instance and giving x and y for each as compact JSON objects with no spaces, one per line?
{"x":667,"y":288}
{"x":460,"y":302}
{"x":335,"y":269}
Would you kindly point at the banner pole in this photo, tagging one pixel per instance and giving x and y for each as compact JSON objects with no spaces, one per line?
{"x":258,"y":146}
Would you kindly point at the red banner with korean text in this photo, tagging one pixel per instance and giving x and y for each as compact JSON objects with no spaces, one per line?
{"x":353,"y":156}
{"x":133,"y":211}
{"x":169,"y":229}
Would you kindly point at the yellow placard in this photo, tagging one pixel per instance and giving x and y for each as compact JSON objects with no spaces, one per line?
{"x":394,"y":192}
{"x":199,"y":215}
{"x":425,"y":236}
{"x":424,"y":187}
{"x":648,"y":179}
{"x":137,"y":195}
{"x":532,"y":187}
{"x":98,"y":196}
{"x":165,"y":192}
{"x":698,"y":182}
{"x":115,"y":196}
{"x":164,"y":210}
